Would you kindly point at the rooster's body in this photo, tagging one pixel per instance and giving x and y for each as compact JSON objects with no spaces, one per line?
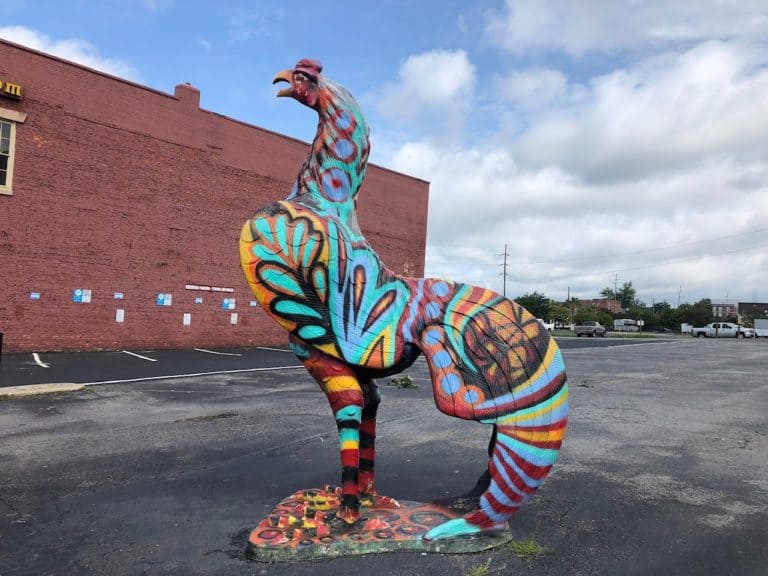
{"x":350,"y":319}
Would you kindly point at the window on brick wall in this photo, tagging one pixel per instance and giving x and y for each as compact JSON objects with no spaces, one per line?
{"x":7,"y":141}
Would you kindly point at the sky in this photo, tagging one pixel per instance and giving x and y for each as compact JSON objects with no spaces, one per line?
{"x":598,"y":142}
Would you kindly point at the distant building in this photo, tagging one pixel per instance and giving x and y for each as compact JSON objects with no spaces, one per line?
{"x":722,"y":310}
{"x":612,"y":306}
{"x":626,"y":325}
{"x":753,"y":309}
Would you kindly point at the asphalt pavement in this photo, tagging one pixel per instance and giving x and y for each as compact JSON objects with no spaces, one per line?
{"x":117,"y":366}
{"x":664,"y":469}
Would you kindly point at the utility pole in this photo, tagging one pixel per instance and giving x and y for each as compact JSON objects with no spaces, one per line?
{"x":679,"y":294}
{"x":504,"y":272}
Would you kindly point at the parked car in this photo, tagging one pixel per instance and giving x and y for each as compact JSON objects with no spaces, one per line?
{"x":548,"y":326}
{"x":722,"y":330}
{"x":590,"y":328}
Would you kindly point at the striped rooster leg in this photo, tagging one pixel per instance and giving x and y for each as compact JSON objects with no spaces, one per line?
{"x":526,"y":447}
{"x":348,"y":420}
{"x":367,"y":479}
{"x":345,"y":396}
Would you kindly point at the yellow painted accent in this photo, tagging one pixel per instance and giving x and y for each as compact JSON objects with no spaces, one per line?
{"x":387,"y":345}
{"x":340,"y":384}
{"x":245,"y":234}
{"x":349,"y":445}
{"x":328,"y":349}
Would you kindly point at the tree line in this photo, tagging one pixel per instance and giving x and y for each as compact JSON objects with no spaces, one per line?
{"x":659,"y":315}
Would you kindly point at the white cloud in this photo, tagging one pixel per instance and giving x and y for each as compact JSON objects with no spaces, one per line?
{"x":657,"y":172}
{"x":257,"y":22}
{"x":579,"y":26}
{"x":535,"y":88}
{"x":669,"y":112}
{"x":435,"y":88}
{"x":73,"y":49}
{"x":204,"y":44}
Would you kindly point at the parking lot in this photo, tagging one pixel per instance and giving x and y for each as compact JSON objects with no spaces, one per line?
{"x":664,"y":469}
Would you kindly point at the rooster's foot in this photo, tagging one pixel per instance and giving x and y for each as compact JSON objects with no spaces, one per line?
{"x":460,"y":527}
{"x":373,"y":500}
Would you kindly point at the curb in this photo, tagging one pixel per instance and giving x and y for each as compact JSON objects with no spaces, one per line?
{"x":39,"y":389}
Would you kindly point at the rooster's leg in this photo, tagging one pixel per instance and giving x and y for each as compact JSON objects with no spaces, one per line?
{"x":345,"y":395}
{"x":367,"y":479}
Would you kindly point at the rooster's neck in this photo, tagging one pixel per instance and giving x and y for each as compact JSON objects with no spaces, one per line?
{"x":331,"y":176}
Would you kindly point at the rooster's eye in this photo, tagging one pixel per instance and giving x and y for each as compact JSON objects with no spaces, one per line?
{"x":299,"y":77}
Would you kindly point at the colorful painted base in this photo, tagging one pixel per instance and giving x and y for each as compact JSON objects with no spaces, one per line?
{"x":302,"y":527}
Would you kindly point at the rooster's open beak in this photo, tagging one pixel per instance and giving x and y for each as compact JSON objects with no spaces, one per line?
{"x":284,"y":76}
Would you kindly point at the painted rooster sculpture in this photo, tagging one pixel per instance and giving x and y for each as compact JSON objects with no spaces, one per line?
{"x":350,"y":319}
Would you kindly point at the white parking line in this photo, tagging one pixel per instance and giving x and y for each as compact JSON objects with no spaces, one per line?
{"x":219,"y":353}
{"x":273,"y":349}
{"x":39,"y":362}
{"x":172,"y":376}
{"x":140,"y":356}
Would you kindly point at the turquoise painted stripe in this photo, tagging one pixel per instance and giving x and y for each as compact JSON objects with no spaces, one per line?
{"x":308,"y":252}
{"x":350,"y":413}
{"x":451,"y":333}
{"x":413,"y":313}
{"x":294,"y":308}
{"x":282,"y":282}
{"x":534,"y":455}
{"x":533,"y":483}
{"x":262,"y":225}
{"x":349,"y":435}
{"x":319,"y":279}
{"x":282,"y":234}
{"x":311,"y":332}
{"x":262,"y":252}
{"x":501,"y":496}
{"x":486,"y":507}
{"x":507,"y":480}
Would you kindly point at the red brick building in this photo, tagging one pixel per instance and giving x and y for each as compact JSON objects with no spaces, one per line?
{"x":609,"y":304}
{"x":113,"y":195}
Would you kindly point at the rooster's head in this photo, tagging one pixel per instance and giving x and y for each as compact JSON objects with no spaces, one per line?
{"x":303,"y":80}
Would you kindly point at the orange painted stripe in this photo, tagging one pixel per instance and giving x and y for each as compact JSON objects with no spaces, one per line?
{"x":543,"y":436}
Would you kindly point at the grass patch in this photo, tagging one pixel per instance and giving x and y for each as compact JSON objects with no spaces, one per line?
{"x":480,"y":569}
{"x":526,"y":548}
{"x":402,"y":382}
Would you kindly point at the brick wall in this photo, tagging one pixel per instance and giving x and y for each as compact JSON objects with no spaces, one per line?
{"x":119,"y":188}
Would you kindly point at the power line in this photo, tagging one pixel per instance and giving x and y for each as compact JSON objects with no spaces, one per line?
{"x":663,"y":262}
{"x":622,"y":254}
{"x":571,"y":276}
{"x":504,"y":273}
